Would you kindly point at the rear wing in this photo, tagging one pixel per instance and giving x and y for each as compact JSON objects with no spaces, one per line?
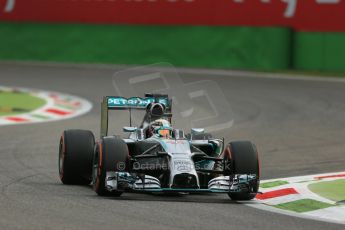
{"x":136,"y":103}
{"x":120,"y":103}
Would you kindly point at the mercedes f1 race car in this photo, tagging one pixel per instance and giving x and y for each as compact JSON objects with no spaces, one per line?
{"x":155,"y":157}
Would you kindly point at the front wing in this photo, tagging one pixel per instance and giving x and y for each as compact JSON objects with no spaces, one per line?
{"x":123,"y":181}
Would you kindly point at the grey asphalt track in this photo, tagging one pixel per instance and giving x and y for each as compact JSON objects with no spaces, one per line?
{"x":298,"y":126}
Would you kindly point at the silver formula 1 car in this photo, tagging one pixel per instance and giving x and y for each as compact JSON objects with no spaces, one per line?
{"x":157,"y":158}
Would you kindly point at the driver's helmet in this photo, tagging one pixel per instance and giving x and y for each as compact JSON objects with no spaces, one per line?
{"x":162,"y":128}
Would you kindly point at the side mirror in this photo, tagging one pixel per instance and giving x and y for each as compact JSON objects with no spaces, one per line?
{"x":130,"y":129}
{"x":140,"y":134}
{"x":195,"y":131}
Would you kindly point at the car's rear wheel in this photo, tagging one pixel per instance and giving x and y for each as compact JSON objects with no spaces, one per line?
{"x":111,"y":154}
{"x":244,"y":160}
{"x":76,"y":149}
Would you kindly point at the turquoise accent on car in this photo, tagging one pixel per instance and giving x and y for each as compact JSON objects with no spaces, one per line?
{"x":134,"y":102}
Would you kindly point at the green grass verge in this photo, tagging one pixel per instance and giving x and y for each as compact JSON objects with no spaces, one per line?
{"x":259,"y":48}
{"x":332,"y":190}
{"x":273,"y":184}
{"x":304,"y":205}
{"x":17,"y":103}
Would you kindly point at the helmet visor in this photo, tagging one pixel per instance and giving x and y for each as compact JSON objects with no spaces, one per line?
{"x":164,"y":132}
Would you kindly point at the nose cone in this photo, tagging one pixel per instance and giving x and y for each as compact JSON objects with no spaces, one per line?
{"x":185,"y":180}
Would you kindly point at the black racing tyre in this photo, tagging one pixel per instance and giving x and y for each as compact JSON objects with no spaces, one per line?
{"x":76,"y":149}
{"x":245,"y":160}
{"x":111,"y":154}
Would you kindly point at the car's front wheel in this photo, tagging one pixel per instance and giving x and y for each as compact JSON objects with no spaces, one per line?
{"x":111,"y":154}
{"x":245,"y":161}
{"x":76,"y":149}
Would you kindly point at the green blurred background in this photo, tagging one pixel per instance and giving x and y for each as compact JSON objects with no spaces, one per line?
{"x":255,"y":48}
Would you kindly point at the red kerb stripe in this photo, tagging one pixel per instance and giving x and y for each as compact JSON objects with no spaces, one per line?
{"x":53,"y":96}
{"x":329,"y":176}
{"x":276,"y":193}
{"x":17,"y":119}
{"x":57,"y":112}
